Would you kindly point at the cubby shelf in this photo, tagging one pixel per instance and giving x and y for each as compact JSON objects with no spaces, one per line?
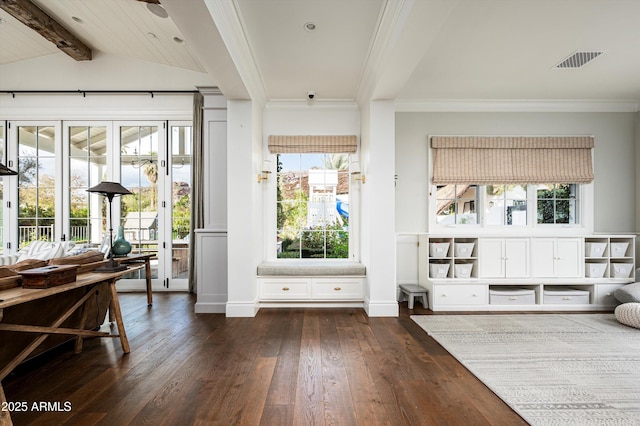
{"x":554,"y":273}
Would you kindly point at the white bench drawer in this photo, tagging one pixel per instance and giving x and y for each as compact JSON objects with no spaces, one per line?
{"x":332,"y":289}
{"x":285,"y":289}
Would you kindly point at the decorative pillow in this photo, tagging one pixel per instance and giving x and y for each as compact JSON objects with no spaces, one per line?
{"x":628,"y":293}
{"x":53,"y":251}
{"x":628,"y":314}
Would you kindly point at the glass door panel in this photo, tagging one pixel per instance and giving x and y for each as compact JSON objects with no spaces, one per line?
{"x":87,"y":154}
{"x":36,"y":184}
{"x":180,"y":179}
{"x":139,"y":173}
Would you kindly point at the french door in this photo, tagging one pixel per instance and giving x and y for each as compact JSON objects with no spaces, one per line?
{"x":155,"y":164}
{"x":58,"y":162}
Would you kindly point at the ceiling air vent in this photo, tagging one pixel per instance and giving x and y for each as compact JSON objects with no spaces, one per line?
{"x":578,"y":59}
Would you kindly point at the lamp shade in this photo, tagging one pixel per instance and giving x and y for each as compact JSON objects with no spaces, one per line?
{"x":109,"y":189}
{"x":5,"y":171}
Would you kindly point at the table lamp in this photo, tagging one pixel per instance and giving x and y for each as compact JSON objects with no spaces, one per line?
{"x":5,"y":171}
{"x":110,"y":190}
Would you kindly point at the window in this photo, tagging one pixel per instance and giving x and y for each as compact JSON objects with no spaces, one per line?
{"x":507,"y":205}
{"x":312,"y":207}
{"x":557,"y":203}
{"x":456,"y":204}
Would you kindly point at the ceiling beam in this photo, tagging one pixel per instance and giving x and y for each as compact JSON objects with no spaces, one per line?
{"x":38,"y":20}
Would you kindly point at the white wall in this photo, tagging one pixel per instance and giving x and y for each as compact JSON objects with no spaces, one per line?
{"x":614,"y":157}
{"x":299,"y":118}
{"x":615,"y":163}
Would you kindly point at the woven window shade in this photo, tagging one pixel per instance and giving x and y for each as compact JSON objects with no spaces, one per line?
{"x":313,"y":144}
{"x":510,"y":160}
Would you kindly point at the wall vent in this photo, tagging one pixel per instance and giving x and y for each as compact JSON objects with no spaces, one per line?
{"x":578,"y":59}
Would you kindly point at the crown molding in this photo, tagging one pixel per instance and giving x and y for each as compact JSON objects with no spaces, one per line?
{"x":517,"y":105}
{"x":315,"y":104}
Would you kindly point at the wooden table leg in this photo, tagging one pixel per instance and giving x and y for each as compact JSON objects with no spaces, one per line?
{"x":115,"y":307}
{"x":147,"y":270}
{"x":5,"y":416}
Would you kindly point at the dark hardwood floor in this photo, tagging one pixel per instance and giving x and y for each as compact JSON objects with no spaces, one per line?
{"x":284,"y":367}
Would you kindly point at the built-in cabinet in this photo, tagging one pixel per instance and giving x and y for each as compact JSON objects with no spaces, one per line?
{"x":504,"y":257}
{"x":525,"y":273}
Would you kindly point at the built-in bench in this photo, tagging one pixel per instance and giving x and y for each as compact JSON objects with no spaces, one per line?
{"x":311,"y":281}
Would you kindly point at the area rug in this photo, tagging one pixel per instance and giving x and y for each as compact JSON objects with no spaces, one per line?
{"x":552,"y":369}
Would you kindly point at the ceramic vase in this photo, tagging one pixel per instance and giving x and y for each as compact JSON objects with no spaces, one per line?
{"x":121,"y":247}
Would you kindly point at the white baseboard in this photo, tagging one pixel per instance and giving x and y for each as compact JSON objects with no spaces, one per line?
{"x":209,"y":308}
{"x":241,"y":309}
{"x":382,"y":309}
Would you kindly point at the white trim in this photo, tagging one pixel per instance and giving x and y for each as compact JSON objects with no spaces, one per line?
{"x":517,"y":105}
{"x":237,"y":309}
{"x":291,"y":104}
{"x":382,"y":309}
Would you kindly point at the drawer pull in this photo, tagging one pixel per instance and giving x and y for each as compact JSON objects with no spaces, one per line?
{"x":513,"y":298}
{"x":285,"y":288}
{"x":566,"y":298}
{"x":337,"y":289}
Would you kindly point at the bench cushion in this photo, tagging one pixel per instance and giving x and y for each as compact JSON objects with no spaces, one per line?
{"x":311,"y":268}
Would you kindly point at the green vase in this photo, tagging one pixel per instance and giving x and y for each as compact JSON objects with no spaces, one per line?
{"x":121,"y":247}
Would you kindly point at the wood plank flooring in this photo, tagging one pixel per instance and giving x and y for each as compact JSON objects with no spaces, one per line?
{"x":284,"y":367}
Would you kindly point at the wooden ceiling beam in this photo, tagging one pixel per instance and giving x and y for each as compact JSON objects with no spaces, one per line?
{"x":38,"y":20}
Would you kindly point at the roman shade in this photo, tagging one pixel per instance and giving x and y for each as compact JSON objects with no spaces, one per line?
{"x":511,"y":160}
{"x":285,"y":144}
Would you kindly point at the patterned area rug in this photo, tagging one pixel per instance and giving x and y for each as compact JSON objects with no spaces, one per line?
{"x":552,"y":369}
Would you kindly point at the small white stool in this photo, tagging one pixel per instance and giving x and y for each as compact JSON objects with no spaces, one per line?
{"x":411,"y":291}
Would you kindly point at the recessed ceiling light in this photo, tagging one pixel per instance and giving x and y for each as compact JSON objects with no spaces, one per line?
{"x":78,"y":20}
{"x":157,"y":10}
{"x":178,"y":40}
{"x":310,"y":26}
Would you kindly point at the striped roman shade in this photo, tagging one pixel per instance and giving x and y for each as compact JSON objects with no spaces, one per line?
{"x":509,"y":160}
{"x":284,"y":144}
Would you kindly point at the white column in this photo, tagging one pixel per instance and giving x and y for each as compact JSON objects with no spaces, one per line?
{"x":378,"y":208}
{"x":211,"y":240}
{"x":244,"y":205}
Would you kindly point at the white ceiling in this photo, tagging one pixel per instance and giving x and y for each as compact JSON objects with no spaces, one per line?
{"x":411,"y":50}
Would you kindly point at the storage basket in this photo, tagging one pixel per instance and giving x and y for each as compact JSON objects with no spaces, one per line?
{"x":438,"y":270}
{"x":462,"y":270}
{"x":438,"y":250}
{"x":619,"y":249}
{"x":566,"y":296}
{"x":595,"y":270}
{"x":621,"y":270}
{"x":463,"y":250}
{"x":594,"y":249}
{"x":512,"y":296}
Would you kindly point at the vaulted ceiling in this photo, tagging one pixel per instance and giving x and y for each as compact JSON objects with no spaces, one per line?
{"x":408,"y":50}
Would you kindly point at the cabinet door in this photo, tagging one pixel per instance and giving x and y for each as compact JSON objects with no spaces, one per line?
{"x":568,"y":258}
{"x":543,"y":251}
{"x":516,"y":258}
{"x":491,"y":258}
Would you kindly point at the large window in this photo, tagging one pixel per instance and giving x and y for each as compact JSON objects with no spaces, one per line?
{"x":508,"y":205}
{"x":313,"y":206}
